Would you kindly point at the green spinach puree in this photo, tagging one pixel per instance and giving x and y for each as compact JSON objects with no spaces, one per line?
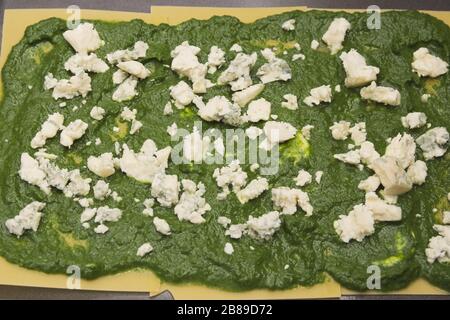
{"x":195,"y":253}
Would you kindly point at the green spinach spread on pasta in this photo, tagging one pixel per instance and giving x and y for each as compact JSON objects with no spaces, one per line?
{"x":127,"y":145}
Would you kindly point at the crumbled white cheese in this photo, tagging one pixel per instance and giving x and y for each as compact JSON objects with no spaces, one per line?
{"x":392,"y":176}
{"x":337,"y":88}
{"x":288,"y":25}
{"x":167,"y":108}
{"x":318,"y":95}
{"x":119,"y":76}
{"x":245,"y":96}
{"x":97,"y":113}
{"x":165,"y":189}
{"x":88,"y":214}
{"x":254,"y":167}
{"x":182,"y":94}
{"x":27,"y":219}
{"x":85,"y":202}
{"x":403,"y":149}
{"x":31,"y":172}
{"x":48,"y":130}
{"x":126,"y":90}
{"x":275,"y":69}
{"x":236,"y":231}
{"x":253,"y":190}
{"x":134,"y":68}
{"x":357,"y":70}
{"x":427,"y":65}
{"x":216,"y":58}
{"x":277,"y":132}
{"x":288,"y":199}
{"x":148,"y":204}
{"x":258,"y":110}
{"x":297,"y":56}
{"x":101,"y":229}
{"x":195,"y":147}
{"x":291,"y":102}
{"x":306,"y":131}
{"x":79,"y":84}
{"x":228,"y":249}
{"x":414,"y":120}
{"x":314,"y":44}
{"x":219,"y":108}
{"x":385,"y":95}
{"x":144,"y":249}
{"x":185,"y":63}
{"x":143,"y":166}
{"x":253,"y":132}
{"x":84,"y":38}
{"x":433,"y":142}
{"x":358,"y":224}
{"x":107,"y":214}
{"x":230,"y":175}
{"x":368,"y":153}
{"x":446,"y":217}
{"x":103,"y":165}
{"x":265,"y":226}
{"x":417,"y":172}
{"x":382,"y":211}
{"x":101,"y":190}
{"x":236,"y":48}
{"x":139,"y":51}
{"x":238,"y":72}
{"x":192,"y":205}
{"x":358,"y":133}
{"x":351,"y":157}
{"x":439,"y":246}
{"x":318,"y":176}
{"x":335,"y":34}
{"x":303,"y":178}
{"x":161,"y":226}
{"x":340,"y":130}
{"x":370,"y":184}
{"x":77,"y":184}
{"x":424,"y":98}
{"x":84,"y":62}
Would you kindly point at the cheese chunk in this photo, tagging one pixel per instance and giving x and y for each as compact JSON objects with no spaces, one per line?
{"x":357,"y":70}
{"x":288,"y":25}
{"x":370,"y":184}
{"x":126,"y":90}
{"x":288,"y":199}
{"x":31,"y":172}
{"x":182,"y":94}
{"x":340,"y":130}
{"x":139,"y":51}
{"x":161,"y":226}
{"x":414,"y":120}
{"x":231,"y":174}
{"x":238,"y":72}
{"x":265,"y":226}
{"x":144,"y":165}
{"x":192,"y":205}
{"x":48,"y":130}
{"x":216,"y":58}
{"x":403,"y":149}
{"x":253,"y":190}
{"x":103,"y":165}
{"x":291,"y":102}
{"x":417,"y":172}
{"x":275,"y":69}
{"x":85,"y":62}
{"x":303,"y":178}
{"x":433,"y":142}
{"x":84,"y":38}
{"x":74,"y":131}
{"x":97,"y":113}
{"x":27,"y":219}
{"x":165,"y":189}
{"x":427,"y":65}
{"x":101,"y":190}
{"x":245,"y":96}
{"x":439,"y":246}
{"x":335,"y":34}
{"x":258,"y":110}
{"x":144,"y":249}
{"x":382,"y":211}
{"x":392,"y":176}
{"x":134,"y":68}
{"x":358,"y":224}
{"x":219,"y":108}
{"x":278,"y":132}
{"x":318,"y":95}
{"x":79,"y":84}
{"x":384,"y":95}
